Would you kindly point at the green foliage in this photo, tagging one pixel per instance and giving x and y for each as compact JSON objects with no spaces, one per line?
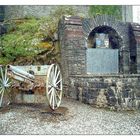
{"x":28,"y":37}
{"x":20,"y":41}
{"x":50,"y":23}
{"x":114,"y":10}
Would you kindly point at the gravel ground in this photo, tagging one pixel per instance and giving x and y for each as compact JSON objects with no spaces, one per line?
{"x":72,"y":117}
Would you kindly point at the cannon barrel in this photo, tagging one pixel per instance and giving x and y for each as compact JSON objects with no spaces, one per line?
{"x":21,"y":72}
{"x":42,"y":80}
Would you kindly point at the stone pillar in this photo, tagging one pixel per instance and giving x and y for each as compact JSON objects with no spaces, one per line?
{"x":138,"y":55}
{"x":136,"y":32}
{"x":73,"y":51}
{"x":125,"y":49}
{"x":126,"y":61}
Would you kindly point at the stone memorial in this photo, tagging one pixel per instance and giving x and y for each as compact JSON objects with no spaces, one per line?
{"x":100,"y":61}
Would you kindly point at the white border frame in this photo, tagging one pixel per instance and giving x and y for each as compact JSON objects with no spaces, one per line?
{"x":69,"y":2}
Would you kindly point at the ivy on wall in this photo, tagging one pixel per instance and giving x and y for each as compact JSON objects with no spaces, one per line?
{"x":114,"y":10}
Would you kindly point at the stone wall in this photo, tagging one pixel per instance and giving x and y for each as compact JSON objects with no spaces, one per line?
{"x":18,"y":11}
{"x":73,"y":35}
{"x":21,"y":11}
{"x":136,"y":45}
{"x":73,"y":51}
{"x":120,"y":91}
{"x":122,"y":30}
{"x":111,"y":91}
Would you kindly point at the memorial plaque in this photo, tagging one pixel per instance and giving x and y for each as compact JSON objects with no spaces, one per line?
{"x":102,"y":61}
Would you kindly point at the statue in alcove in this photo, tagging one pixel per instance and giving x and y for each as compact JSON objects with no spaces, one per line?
{"x":102,"y":40}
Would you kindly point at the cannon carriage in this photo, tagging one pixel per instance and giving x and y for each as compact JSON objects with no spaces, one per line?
{"x":43,"y":79}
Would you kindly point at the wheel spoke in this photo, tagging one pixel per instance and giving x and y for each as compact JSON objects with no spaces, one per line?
{"x":1,"y":90}
{"x":54,"y":86}
{"x":54,"y":74}
{"x":2,"y":93}
{"x":50,"y":91}
{"x":1,"y":81}
{"x":49,"y":86}
{"x":55,"y":71}
{"x":59,"y":81}
{"x":58,"y":95}
{"x":55,"y":99}
{"x":1,"y":87}
{"x":8,"y":85}
{"x":2,"y":74}
{"x":4,"y":83}
{"x":58,"y":89}
{"x":51,"y":99}
{"x":57,"y":76}
{"x":5,"y":77}
{"x":50,"y":81}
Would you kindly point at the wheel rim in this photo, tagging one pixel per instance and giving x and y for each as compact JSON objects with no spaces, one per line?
{"x":54,"y":86}
{"x":4,"y":83}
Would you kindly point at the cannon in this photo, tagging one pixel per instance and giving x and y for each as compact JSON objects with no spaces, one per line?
{"x":42,"y":79}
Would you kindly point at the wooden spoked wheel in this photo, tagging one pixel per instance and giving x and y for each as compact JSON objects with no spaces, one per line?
{"x":4,"y":83}
{"x":54,"y":86}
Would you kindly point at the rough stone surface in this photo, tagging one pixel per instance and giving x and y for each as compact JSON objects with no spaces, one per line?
{"x":73,"y":52}
{"x":74,"y":33}
{"x":118,"y":91}
{"x":135,"y":45}
{"x":76,"y":118}
{"x":113,"y":91}
{"x":122,"y":31}
{"x":21,"y":11}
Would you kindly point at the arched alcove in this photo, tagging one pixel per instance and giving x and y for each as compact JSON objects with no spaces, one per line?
{"x":118,"y":35}
{"x":106,"y":58}
{"x":114,"y":39}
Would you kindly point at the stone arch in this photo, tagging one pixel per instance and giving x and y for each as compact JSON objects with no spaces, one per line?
{"x":121,"y":29}
{"x":115,"y":40}
{"x":105,"y":20}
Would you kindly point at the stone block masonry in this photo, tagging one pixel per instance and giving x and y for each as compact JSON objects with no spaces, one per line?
{"x":111,"y":91}
{"x":73,"y":60}
{"x":115,"y":91}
